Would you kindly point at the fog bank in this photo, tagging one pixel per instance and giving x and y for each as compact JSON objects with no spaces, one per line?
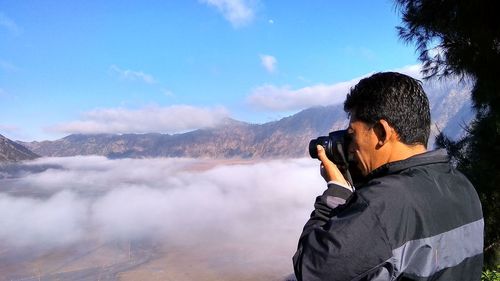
{"x":172,"y":201}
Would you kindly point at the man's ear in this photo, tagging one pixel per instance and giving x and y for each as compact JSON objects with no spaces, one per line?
{"x":384,"y":132}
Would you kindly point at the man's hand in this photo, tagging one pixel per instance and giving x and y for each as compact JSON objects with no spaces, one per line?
{"x":329,"y":170}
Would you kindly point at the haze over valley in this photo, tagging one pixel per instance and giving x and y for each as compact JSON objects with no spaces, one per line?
{"x":156,"y":218}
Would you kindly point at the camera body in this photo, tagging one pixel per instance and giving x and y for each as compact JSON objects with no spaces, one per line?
{"x":335,"y":145}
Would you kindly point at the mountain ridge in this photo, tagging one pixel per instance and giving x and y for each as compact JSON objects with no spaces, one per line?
{"x":287,"y":137}
{"x":11,"y":151}
{"x":284,"y":138}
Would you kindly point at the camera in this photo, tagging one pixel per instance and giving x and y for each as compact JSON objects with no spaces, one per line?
{"x":335,"y":145}
{"x":336,"y":148}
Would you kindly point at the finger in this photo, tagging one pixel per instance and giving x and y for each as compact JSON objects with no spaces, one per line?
{"x":329,"y":171}
{"x":325,"y":161}
{"x":322,"y":172}
{"x":322,"y":154}
{"x":326,"y":165}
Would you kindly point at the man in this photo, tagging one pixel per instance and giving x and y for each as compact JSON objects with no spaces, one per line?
{"x":414,"y":217}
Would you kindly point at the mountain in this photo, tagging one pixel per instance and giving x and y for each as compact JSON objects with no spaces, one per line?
{"x":288,"y":137}
{"x":451,"y":108}
{"x":11,"y":151}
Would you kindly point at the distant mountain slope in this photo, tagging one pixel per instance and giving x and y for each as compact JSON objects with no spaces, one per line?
{"x":288,"y":137}
{"x":451,"y":108}
{"x":11,"y":151}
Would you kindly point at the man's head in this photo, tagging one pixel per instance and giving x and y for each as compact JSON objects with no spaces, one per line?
{"x":389,"y":117}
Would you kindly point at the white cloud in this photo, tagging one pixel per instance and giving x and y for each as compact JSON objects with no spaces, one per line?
{"x":269,"y":62}
{"x":284,"y":98}
{"x":436,"y":50}
{"x":410,"y":70}
{"x":270,"y":97}
{"x":26,"y":220}
{"x":9,"y":24}
{"x":237,"y":12}
{"x":172,"y":119}
{"x":131,"y":75}
{"x":168,"y":200}
{"x":84,"y":212}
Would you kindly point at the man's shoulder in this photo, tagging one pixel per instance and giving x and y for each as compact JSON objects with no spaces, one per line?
{"x":387,"y":187}
{"x":424,"y":200}
{"x":416,"y":185}
{"x":419,"y":174}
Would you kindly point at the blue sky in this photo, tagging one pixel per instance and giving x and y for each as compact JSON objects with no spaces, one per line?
{"x":173,"y":66}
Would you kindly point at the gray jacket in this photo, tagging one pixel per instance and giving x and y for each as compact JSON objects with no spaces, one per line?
{"x":416,"y":219}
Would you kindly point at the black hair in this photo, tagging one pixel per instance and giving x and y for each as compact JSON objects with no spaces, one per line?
{"x":396,"y":98}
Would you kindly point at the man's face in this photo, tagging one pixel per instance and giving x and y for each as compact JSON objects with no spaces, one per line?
{"x":363,"y":145}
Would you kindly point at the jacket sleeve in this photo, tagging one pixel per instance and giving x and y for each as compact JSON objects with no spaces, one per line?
{"x":341,"y":241}
{"x":329,"y":203}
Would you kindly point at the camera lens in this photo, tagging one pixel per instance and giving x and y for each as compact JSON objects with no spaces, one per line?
{"x":313,"y":150}
{"x":334,"y":144}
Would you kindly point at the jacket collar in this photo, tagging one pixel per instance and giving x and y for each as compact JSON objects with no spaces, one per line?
{"x":430,"y":157}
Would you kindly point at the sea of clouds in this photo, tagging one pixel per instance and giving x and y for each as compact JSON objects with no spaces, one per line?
{"x":55,"y":202}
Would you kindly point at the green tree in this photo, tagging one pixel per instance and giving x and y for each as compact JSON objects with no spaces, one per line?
{"x":462,"y":38}
{"x":491,"y":274}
